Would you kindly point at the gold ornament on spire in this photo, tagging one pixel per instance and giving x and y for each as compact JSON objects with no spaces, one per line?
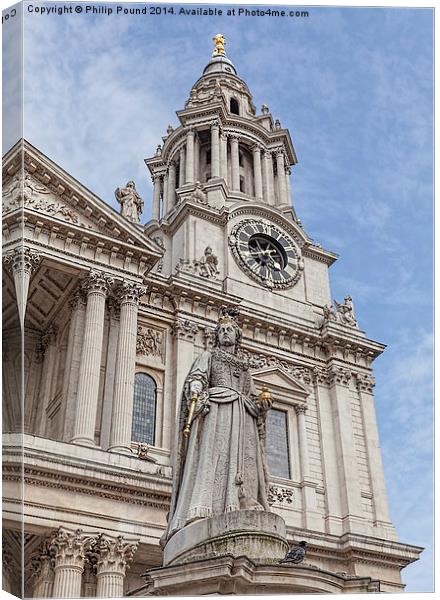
{"x":219,"y":45}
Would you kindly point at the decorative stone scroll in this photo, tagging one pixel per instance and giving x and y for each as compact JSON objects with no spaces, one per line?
{"x":149,"y":342}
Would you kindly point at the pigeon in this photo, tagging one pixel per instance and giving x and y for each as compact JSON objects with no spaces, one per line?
{"x":295,"y":554}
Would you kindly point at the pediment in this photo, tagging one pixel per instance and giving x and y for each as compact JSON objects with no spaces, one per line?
{"x":279,"y":381}
{"x":44,"y":188}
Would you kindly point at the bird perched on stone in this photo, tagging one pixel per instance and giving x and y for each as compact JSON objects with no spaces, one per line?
{"x":295,"y":554}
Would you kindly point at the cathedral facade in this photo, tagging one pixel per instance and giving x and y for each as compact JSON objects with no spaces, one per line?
{"x":114,"y":314}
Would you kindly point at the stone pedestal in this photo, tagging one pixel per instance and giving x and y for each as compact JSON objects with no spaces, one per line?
{"x":259,"y":535}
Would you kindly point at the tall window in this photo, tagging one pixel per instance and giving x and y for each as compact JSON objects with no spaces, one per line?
{"x":144,"y":409}
{"x":277,"y":445}
{"x":233,"y":105}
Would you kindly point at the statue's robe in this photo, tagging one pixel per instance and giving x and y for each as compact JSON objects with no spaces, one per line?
{"x":221,"y":467}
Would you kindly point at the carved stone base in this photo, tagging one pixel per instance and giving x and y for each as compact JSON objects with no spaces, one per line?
{"x":230,"y":575}
{"x":259,"y":535}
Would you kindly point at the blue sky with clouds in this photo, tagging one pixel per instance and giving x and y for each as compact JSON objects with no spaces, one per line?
{"x":354,"y":86}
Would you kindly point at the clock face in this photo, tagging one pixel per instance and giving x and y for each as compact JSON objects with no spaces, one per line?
{"x":266,"y":253}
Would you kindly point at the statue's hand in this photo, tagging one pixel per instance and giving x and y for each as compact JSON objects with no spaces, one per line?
{"x":196,"y":387}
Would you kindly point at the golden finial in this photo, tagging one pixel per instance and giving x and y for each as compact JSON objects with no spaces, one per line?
{"x":219,"y":45}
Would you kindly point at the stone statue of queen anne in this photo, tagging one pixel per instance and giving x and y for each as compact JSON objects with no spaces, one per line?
{"x":220,"y":466}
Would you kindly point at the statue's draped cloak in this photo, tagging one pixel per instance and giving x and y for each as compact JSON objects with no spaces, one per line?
{"x":221,"y":467}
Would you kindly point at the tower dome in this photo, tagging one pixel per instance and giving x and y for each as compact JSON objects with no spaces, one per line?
{"x":219,"y":64}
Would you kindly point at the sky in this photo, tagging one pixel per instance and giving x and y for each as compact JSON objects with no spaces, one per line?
{"x":354,"y":86}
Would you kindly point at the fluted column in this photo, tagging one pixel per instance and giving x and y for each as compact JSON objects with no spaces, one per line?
{"x":269,"y":196}
{"x":120,"y":434}
{"x":165,"y":203}
{"x":189,"y":177}
{"x":69,"y":549}
{"x":182,"y":167}
{"x":281,"y":177}
{"x":258,"y":180}
{"x":156,"y":197}
{"x":235,"y":164}
{"x":97,"y":286}
{"x":171,"y":185}
{"x":215,"y":150}
{"x":72,"y":362}
{"x":49,"y":347}
{"x":114,"y":557}
{"x":22,"y":262}
{"x":224,"y":156}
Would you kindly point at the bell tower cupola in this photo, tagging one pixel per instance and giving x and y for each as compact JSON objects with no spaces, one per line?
{"x":223,"y":151}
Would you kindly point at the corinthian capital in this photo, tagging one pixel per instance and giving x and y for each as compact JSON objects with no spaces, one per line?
{"x":69,"y":547}
{"x":185,"y":329}
{"x":365,"y":382}
{"x":339,"y":375}
{"x":22,"y":259}
{"x":114,"y":554}
{"x":97,"y":282}
{"x":300,"y":409}
{"x":129,"y":291}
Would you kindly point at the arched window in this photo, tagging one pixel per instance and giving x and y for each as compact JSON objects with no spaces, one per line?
{"x":144,"y":409}
{"x":234,"y":107}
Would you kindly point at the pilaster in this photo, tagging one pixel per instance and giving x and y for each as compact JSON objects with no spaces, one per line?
{"x":235,"y":163}
{"x":224,"y":156}
{"x":258,"y":180}
{"x":189,"y":178}
{"x":21,"y":263}
{"x":171,"y":185}
{"x":215,"y":150}
{"x":281,"y":177}
{"x":49,"y":347}
{"x":157,"y":182}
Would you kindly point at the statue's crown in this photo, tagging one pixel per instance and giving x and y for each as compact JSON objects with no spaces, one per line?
{"x":228,"y":315}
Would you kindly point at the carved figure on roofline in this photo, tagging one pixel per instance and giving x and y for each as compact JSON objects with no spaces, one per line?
{"x":219,"y":45}
{"x":131,"y":203}
{"x":208,"y":264}
{"x":345,"y":312}
{"x":219,"y":462}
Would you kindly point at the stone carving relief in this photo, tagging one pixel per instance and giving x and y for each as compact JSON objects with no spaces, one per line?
{"x":344,"y":313}
{"x":279,"y":495}
{"x":198,"y":195}
{"x":143,"y":450}
{"x":261,"y":361}
{"x":206,"y":266}
{"x":149,"y":342}
{"x":185,"y":329}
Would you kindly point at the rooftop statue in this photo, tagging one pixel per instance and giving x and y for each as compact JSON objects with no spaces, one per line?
{"x":220,"y":463}
{"x":131,"y":203}
{"x":219,"y":45}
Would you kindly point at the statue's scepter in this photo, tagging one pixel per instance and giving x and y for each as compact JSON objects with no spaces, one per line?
{"x":192,"y":407}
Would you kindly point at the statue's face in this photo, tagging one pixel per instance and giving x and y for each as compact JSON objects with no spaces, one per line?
{"x":227,"y":335}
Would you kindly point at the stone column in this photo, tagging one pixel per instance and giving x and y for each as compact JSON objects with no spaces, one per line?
{"x":196,"y":158}
{"x":269,"y":196}
{"x":89,"y":575}
{"x":224,"y":156}
{"x":165,"y":204}
{"x":120,"y":434}
{"x":21,"y":263}
{"x":215,"y":150}
{"x":300,"y":410}
{"x":182,"y":166}
{"x":73,"y":356}
{"x":97,"y":286}
{"x":69,"y":549}
{"x":310,"y":517}
{"x":114,"y":557}
{"x":49,"y":347}
{"x":235,"y":163}
{"x":365,"y":385}
{"x":189,"y":177}
{"x":281,"y":177}
{"x":157,"y":181}
{"x":171,"y":185}
{"x":258,"y":180}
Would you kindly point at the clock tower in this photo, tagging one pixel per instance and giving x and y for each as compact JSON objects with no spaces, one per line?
{"x":223,"y":214}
